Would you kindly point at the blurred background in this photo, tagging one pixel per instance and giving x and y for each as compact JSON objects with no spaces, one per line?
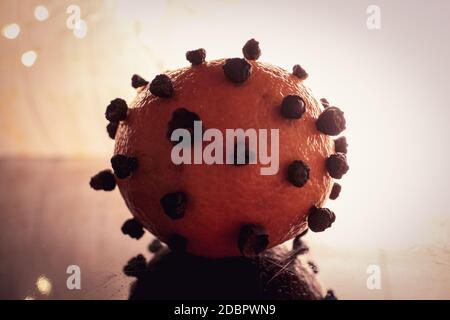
{"x":63,"y":61}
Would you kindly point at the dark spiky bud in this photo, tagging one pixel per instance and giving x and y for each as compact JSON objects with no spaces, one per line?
{"x":133,"y":228}
{"x":137,"y":81}
{"x":104,"y":180}
{"x":237,"y":70}
{"x":135,"y":267}
{"x":251,"y":50}
{"x":320,"y":219}
{"x":196,"y":57}
{"x":162,"y":86}
{"x":117,"y":110}
{"x":123,"y":165}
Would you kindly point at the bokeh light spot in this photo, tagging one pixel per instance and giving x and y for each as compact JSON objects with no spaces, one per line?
{"x":11,"y":31}
{"x":44,"y":285}
{"x":80,"y":29}
{"x":29,"y":58}
{"x":41,"y":13}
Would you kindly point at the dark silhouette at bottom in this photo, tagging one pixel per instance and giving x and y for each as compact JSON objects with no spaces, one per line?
{"x":274,"y":274}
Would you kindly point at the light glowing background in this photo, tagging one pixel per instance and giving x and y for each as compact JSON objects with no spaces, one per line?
{"x":392,"y":84}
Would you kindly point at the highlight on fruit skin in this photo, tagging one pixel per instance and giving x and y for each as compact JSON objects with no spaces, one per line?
{"x":219,"y":210}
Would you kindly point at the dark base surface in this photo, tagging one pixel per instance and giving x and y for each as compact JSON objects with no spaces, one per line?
{"x":273,"y":275}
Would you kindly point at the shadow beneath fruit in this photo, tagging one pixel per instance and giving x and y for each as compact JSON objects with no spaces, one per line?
{"x":275,"y":274}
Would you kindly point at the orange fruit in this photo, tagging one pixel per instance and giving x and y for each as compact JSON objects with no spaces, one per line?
{"x":219,"y":210}
{"x":221,"y":198}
